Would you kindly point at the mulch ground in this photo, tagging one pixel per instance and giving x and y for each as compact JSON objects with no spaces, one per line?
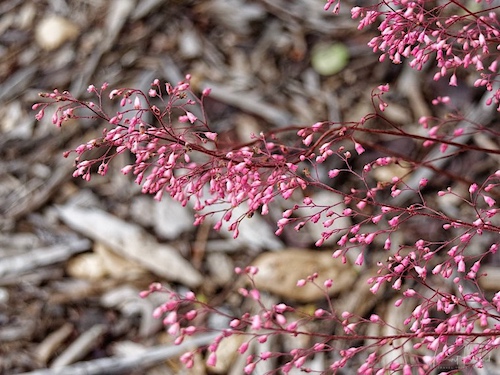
{"x":68,"y":293}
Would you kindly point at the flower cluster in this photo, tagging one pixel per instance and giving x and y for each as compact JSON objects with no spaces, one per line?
{"x":178,"y":156}
{"x":448,"y":33}
{"x":428,"y":253}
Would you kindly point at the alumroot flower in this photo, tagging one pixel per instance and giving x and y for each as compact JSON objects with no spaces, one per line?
{"x":426,"y":254}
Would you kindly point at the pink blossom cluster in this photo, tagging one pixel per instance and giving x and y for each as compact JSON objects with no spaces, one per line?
{"x":443,"y":321}
{"x":431,"y":256}
{"x":447,"y":33}
{"x":476,"y":328}
{"x":164,"y":150}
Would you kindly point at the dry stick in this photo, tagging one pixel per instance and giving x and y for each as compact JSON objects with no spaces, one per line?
{"x":117,"y":365}
{"x":479,"y":114}
{"x":52,"y":342}
{"x":44,"y":256}
{"x":80,"y":347}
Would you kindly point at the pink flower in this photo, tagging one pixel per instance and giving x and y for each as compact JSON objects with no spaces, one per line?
{"x":453,"y":80}
{"x":210,"y":135}
{"x":423,"y":182}
{"x":359,"y":259}
{"x":187,"y":359}
{"x":359,"y":148}
{"x":394,"y":221}
{"x":192,"y":118}
{"x":384,"y":88}
{"x":301,"y":282}
{"x":307,"y":140}
{"x":333,"y":173}
{"x":422,"y":272}
{"x":256,"y":322}
{"x":243,"y":348}
{"x":212,"y":360}
{"x":489,"y":201}
{"x":249,"y":368}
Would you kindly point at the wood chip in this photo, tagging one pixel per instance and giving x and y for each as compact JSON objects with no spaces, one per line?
{"x":118,"y":13}
{"x":51,"y":343}
{"x":132,"y":242}
{"x":280,"y":271}
{"x":102,"y":263}
{"x":23,"y":329}
{"x":86,"y":266}
{"x":226,"y":354}
{"x":491,"y":280}
{"x":170,"y":219}
{"x":22,"y":203}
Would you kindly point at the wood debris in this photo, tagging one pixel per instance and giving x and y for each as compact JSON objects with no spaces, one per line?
{"x":132,"y":242}
{"x":75,"y":255}
{"x":280,"y":271}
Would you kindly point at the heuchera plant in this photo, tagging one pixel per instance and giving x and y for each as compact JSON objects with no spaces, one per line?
{"x":433,"y":279}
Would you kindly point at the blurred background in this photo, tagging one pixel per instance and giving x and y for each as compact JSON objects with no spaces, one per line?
{"x":74,"y":255}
